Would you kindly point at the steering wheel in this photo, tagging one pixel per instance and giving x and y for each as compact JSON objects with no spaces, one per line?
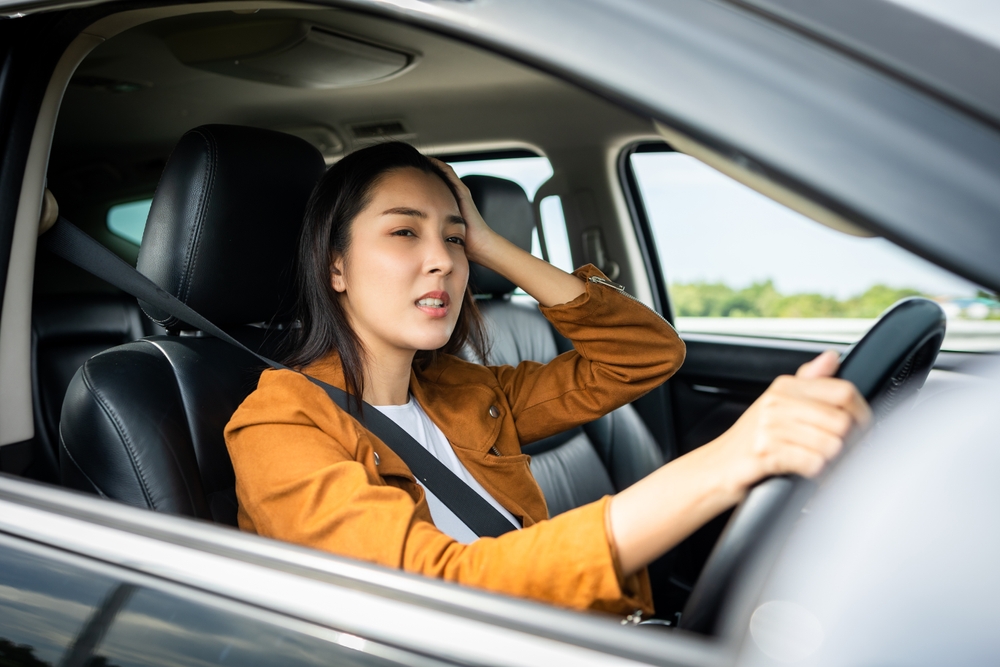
{"x":889,"y":364}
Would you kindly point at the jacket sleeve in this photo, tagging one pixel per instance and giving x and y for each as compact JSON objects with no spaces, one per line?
{"x":622,"y":350}
{"x":298,"y":483}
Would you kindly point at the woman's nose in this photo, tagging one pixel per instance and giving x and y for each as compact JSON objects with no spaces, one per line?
{"x":439,"y":260}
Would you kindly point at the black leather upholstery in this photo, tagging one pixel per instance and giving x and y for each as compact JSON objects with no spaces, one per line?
{"x":582,"y":465}
{"x":506,"y":206}
{"x":143,"y":422}
{"x":224,"y":223}
{"x":66,"y":330}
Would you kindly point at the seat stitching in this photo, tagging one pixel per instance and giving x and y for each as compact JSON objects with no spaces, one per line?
{"x":79,"y":468}
{"x":187,"y":486}
{"x":205,"y":199}
{"x":110,"y":413}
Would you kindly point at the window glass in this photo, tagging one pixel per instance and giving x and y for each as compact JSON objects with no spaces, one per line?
{"x":739,"y":263}
{"x":157,"y":629}
{"x":530,"y":173}
{"x":554,"y":228}
{"x":56,"y":612}
{"x":128,"y":220}
{"x":44,"y":605}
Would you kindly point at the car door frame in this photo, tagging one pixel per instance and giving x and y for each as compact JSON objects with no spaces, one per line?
{"x":386,"y":606}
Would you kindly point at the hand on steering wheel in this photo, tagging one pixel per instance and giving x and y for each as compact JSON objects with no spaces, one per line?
{"x":887,"y":365}
{"x":797,"y":426}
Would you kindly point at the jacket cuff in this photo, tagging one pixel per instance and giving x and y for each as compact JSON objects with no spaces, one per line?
{"x":637,"y":594}
{"x":567,"y":310}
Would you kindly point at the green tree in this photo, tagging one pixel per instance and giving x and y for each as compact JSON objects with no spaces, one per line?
{"x":762,"y":299}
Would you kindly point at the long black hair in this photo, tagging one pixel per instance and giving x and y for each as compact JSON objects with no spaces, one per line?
{"x":343,"y":192}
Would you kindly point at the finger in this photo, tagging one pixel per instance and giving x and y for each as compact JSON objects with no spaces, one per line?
{"x":825,"y":365}
{"x":446,"y":168}
{"x":834,"y":391}
{"x":792,"y":459}
{"x":818,"y":414}
{"x":812,"y":437}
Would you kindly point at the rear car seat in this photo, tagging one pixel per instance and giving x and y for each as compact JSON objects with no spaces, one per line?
{"x":583,"y":464}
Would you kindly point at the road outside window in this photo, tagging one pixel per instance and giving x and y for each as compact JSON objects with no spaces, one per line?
{"x":738,"y":263}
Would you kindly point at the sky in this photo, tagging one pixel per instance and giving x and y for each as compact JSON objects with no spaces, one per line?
{"x":708,"y":227}
{"x":976,"y":17}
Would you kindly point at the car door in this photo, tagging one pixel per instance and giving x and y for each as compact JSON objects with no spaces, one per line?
{"x":756,"y":290}
{"x":57,"y":609}
{"x":85,"y":581}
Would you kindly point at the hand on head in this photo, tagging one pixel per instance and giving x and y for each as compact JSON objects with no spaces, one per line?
{"x":478,"y":233}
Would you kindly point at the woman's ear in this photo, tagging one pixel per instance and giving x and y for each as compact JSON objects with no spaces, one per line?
{"x":337,"y":281}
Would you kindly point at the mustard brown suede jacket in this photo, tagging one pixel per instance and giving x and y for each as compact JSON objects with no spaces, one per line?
{"x":306,"y":472}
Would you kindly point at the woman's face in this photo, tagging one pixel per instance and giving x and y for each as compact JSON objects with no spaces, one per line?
{"x":405,"y":270}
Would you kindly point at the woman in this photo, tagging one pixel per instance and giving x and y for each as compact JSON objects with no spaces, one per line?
{"x":384,"y":305}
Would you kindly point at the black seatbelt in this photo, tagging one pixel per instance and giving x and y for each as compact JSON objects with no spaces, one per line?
{"x":74,"y":245}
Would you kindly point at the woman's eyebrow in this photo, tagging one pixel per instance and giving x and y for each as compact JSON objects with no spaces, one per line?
{"x":417,"y":213}
{"x":404,"y":210}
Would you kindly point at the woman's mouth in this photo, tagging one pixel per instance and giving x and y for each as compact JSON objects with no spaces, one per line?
{"x":434,"y":304}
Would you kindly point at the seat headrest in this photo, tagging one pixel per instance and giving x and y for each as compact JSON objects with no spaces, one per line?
{"x":224,"y":224}
{"x":508,"y":211}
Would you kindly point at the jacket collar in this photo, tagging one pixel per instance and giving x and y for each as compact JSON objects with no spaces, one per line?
{"x":454,"y":407}
{"x":466,"y":410}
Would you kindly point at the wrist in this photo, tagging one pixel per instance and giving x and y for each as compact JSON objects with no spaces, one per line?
{"x":486,"y":248}
{"x":736,"y":473}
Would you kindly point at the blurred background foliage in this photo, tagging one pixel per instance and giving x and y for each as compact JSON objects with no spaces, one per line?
{"x":761,"y":299}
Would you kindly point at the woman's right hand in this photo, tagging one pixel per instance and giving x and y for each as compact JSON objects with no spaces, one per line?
{"x":796,"y":427}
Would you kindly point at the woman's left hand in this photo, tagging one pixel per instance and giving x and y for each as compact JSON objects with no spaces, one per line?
{"x":547,"y":284}
{"x":478,"y":235}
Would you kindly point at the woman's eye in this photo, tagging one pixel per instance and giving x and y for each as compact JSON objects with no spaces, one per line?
{"x":457,"y":240}
{"x":403,"y":232}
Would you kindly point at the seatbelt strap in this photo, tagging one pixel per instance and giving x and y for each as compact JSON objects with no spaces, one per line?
{"x":74,"y":245}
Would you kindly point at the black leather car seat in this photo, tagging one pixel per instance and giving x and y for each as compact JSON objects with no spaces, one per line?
{"x":584,"y":464}
{"x":66,"y":330}
{"x":142,"y":423}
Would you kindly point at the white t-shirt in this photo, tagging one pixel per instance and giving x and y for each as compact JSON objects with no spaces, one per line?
{"x":412,"y":419}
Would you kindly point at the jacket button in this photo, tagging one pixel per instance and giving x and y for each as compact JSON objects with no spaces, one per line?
{"x":494,"y":411}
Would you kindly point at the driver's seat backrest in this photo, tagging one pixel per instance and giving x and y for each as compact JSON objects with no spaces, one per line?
{"x":578,"y":466}
{"x":142,"y":423}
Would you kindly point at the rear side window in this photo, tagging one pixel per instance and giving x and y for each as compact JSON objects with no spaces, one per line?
{"x":530,"y":173}
{"x":128,"y":220}
{"x":738,"y":263}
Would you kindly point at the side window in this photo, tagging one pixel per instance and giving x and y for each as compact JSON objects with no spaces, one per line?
{"x":530,"y":173}
{"x":738,"y":263}
{"x":128,"y":220}
{"x":44,"y":606}
{"x":57,"y":611}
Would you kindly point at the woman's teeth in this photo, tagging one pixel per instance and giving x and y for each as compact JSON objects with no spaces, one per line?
{"x":431,"y":303}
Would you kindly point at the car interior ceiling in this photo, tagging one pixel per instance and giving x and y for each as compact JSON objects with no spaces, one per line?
{"x":135,"y":95}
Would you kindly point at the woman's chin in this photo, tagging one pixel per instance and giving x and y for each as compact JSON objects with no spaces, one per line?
{"x":430,"y":342}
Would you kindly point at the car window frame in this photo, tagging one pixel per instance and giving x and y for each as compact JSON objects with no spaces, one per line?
{"x":189,"y":552}
{"x":125,"y":578}
{"x":641,"y":225}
